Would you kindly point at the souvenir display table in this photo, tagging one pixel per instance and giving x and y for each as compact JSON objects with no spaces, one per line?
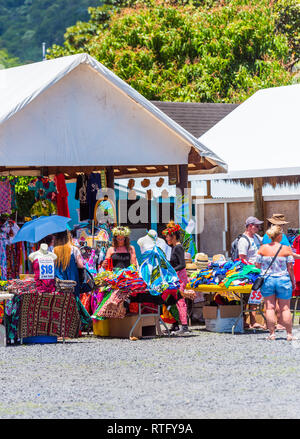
{"x":4,"y":295}
{"x":239,"y":291}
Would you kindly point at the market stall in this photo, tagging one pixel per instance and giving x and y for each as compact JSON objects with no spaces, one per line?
{"x":71,"y":119}
{"x":228,"y":286}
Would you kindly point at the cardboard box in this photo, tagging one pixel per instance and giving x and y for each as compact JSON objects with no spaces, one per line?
{"x":211,"y":312}
{"x":259,"y":319}
{"x":147,"y":326}
{"x":222,"y":318}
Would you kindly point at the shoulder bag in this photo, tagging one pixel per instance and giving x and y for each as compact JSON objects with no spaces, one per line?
{"x":260,"y":280}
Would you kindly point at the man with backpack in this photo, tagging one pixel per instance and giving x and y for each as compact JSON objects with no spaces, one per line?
{"x":248,"y":246}
{"x":250,"y":241}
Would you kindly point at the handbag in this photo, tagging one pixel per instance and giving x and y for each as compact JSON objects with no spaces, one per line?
{"x":86,"y":281}
{"x":258,"y":283}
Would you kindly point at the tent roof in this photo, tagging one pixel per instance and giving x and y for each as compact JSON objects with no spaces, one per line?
{"x":21,"y":86}
{"x":259,"y":138}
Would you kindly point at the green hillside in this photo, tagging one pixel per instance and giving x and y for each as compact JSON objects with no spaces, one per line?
{"x":26,"y":24}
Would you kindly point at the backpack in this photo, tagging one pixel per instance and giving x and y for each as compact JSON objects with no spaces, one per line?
{"x":234,"y":252}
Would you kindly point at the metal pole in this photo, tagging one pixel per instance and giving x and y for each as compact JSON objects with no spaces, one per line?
{"x":44,"y":51}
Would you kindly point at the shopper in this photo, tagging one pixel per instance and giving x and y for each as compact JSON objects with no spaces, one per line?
{"x":248,"y":245}
{"x":279,"y":282}
{"x":121,"y":254}
{"x":68,"y":260}
{"x":172,"y":237}
{"x":277,"y":219}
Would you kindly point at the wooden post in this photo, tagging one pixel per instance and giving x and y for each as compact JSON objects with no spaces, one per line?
{"x":110,"y":178}
{"x":183,"y":178}
{"x":208,"y":189}
{"x":259,"y":211}
{"x":181,"y":194}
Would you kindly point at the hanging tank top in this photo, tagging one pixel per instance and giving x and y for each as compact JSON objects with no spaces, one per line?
{"x":120,"y":260}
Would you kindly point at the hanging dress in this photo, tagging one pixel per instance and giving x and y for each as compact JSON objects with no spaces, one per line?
{"x":157,"y":272}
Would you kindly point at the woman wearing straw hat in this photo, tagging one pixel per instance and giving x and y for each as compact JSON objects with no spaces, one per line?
{"x":277,"y":219}
{"x":278,"y":285}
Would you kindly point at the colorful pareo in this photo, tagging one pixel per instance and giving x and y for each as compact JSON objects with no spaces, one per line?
{"x":157,"y":272}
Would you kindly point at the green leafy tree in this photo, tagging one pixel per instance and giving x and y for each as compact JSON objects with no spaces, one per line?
{"x":6,"y":60}
{"x":188,"y":51}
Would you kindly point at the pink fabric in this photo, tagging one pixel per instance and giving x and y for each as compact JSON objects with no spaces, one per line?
{"x":42,"y":286}
{"x":182,"y":310}
{"x":5,"y":197}
{"x":183,"y":279}
{"x":181,"y":304}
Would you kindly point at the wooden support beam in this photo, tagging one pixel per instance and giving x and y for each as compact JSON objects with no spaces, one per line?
{"x":208,"y":189}
{"x":110,"y":179}
{"x":183,"y":178}
{"x":259,"y":208}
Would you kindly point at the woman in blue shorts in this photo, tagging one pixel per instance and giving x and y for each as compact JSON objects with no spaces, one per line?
{"x":279,"y":282}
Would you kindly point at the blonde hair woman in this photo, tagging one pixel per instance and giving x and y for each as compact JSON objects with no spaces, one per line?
{"x":68,"y":260}
{"x":279,"y":282}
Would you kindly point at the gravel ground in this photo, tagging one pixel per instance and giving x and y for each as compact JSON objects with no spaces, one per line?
{"x":202,"y":375}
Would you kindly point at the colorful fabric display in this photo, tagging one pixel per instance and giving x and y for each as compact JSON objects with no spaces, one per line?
{"x":42,"y":207}
{"x":5,"y":197}
{"x":296,"y":249}
{"x":157,"y":272}
{"x":62,"y":196}
{"x":81,"y":195}
{"x":93,"y":186}
{"x":237,"y":272}
{"x":44,"y":188}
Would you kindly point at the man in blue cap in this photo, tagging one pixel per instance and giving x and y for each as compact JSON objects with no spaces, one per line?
{"x":250,"y":241}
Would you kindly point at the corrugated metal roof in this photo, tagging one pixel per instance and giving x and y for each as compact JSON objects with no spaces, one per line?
{"x":195,"y":117}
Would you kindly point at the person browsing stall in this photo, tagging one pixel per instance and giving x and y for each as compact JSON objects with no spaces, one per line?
{"x":277,"y":219}
{"x":69,"y":259}
{"x":250,"y":241}
{"x":177,"y":260}
{"x":279,"y":281}
{"x":248,"y":246}
{"x":121,"y":254}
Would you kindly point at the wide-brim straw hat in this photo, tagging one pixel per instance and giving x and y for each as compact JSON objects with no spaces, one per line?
{"x":277,"y":219}
{"x":191,"y":266}
{"x":201,"y":258}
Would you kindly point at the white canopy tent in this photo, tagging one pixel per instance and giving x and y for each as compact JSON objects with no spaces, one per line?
{"x":260,"y":138}
{"x":260,"y":142}
{"x":73,"y":111}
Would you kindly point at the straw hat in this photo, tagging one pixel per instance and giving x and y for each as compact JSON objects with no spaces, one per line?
{"x":191,"y":266}
{"x":278,"y":219}
{"x":218,"y":257}
{"x":201,"y":260}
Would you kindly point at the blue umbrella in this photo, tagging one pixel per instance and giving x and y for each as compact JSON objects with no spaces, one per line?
{"x":37,"y":229}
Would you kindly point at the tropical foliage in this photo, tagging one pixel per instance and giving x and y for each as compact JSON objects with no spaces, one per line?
{"x":208,"y":51}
